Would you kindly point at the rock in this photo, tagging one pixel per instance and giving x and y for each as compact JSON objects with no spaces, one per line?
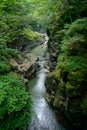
{"x":31,"y":71}
{"x":23,"y":79}
{"x":48,"y":98}
{"x":26,"y":54}
{"x":38,"y":59}
{"x":48,"y":67}
{"x":60,"y":95}
{"x":46,"y":71}
{"x":26,"y":68}
{"x":13,"y":63}
{"x":50,"y":88}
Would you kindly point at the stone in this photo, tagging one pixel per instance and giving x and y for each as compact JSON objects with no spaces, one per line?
{"x":26,"y":68}
{"x":25,"y":80}
{"x":13,"y":63}
{"x":46,"y":71}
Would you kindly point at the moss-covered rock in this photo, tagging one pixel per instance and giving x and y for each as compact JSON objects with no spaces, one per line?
{"x":70,"y":72}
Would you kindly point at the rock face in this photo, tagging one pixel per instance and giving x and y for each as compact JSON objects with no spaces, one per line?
{"x":25,"y":67}
{"x":66,"y":84}
{"x":50,"y":89}
{"x":62,"y":102}
{"x":25,"y":42}
{"x":46,"y":71}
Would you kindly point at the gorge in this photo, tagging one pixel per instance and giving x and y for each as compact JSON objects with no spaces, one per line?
{"x":43,"y":80}
{"x":42,"y":115}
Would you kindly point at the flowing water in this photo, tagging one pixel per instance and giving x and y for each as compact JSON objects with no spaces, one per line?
{"x":42,"y":116}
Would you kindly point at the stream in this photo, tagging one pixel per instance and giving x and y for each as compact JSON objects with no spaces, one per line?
{"x":42,"y":115}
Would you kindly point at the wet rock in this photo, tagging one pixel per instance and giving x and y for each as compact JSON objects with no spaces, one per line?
{"x":38,"y":59}
{"x":46,"y":71}
{"x":51,"y":88}
{"x":25,"y":80}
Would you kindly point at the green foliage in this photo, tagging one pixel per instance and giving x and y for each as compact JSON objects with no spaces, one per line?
{"x":72,"y":59}
{"x":41,"y":12}
{"x":73,"y":56}
{"x":30,"y":34}
{"x":72,"y":63}
{"x":18,"y":18}
{"x":84,"y":106}
{"x":68,"y":40}
{"x":4,"y":68}
{"x":15,"y":103}
{"x":78,"y":27}
{"x":7,"y":52}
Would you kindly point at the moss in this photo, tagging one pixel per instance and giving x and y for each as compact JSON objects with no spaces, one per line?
{"x":69,"y":89}
{"x":56,"y":73}
{"x":30,"y":34}
{"x":78,"y":75}
{"x":68,"y":39}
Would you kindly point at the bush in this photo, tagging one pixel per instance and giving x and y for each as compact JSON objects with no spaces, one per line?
{"x":73,"y":47}
{"x":4,"y":68}
{"x":78,"y":27}
{"x":15,"y":103}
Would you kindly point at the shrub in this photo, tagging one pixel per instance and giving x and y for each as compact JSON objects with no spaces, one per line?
{"x":15,"y":103}
{"x":4,"y":68}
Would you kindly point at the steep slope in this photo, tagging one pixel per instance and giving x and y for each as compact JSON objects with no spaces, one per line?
{"x":66,"y":84}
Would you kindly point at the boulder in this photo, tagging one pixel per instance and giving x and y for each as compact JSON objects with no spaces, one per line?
{"x":26,"y":68}
{"x":46,"y":71}
{"x":13,"y":63}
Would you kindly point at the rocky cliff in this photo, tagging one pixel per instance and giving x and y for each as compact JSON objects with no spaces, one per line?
{"x":27,"y":63}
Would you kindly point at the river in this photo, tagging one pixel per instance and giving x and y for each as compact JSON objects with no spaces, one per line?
{"x":42,"y":115}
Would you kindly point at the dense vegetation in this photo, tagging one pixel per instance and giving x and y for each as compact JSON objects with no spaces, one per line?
{"x":19,"y":22}
{"x":68,"y":38}
{"x":15,"y":102}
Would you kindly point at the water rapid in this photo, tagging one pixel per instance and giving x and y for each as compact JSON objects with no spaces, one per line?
{"x":42,"y":116}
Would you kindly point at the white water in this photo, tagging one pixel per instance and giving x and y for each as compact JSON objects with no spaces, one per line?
{"x":42,"y":116}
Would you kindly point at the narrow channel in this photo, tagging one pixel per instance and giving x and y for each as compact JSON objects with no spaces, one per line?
{"x":42,"y":115}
